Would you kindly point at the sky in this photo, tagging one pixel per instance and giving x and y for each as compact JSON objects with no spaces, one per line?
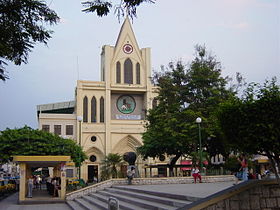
{"x":243,"y":34}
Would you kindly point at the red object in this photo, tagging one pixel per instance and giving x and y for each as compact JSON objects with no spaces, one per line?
{"x":195,"y":176}
{"x":186,"y":162}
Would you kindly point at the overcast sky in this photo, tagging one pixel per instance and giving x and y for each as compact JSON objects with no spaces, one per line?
{"x":243,"y":34}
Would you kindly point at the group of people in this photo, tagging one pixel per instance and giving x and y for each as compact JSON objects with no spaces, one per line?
{"x":35,"y":182}
{"x":241,"y":175}
{"x":53,"y":185}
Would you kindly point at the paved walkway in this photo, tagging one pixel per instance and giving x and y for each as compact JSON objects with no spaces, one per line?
{"x":200,"y":190}
{"x":11,"y":203}
{"x":196,"y":190}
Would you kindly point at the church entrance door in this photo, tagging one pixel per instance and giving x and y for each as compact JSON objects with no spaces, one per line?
{"x":92,"y":173}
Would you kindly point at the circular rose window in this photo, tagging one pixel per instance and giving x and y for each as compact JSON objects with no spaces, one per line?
{"x":92,"y":158}
{"x":93,"y":138}
{"x":127,"y":48}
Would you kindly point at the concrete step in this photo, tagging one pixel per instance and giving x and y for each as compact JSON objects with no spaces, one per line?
{"x":138,"y":202}
{"x":97,"y":203}
{"x":74,"y":205}
{"x":160,"y":194}
{"x":154,"y":198}
{"x":84,"y":203}
{"x":130,"y":198}
{"x":122,"y":205}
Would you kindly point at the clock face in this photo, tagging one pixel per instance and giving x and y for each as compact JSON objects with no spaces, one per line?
{"x":127,"y":48}
{"x":126,"y":104}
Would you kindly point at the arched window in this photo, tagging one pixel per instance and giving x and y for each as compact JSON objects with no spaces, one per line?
{"x":154,"y":103}
{"x":128,"y":71}
{"x":137,"y":73}
{"x":92,"y":158}
{"x":118,"y":72}
{"x":101,"y":109}
{"x":93,"y":109}
{"x":85,"y":109}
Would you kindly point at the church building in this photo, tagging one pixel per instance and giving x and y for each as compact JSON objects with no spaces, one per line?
{"x":107,"y":116}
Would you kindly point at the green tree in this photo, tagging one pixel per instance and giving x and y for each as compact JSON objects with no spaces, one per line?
{"x":232,"y":164}
{"x":22,"y":24}
{"x":27,"y":141}
{"x":102,"y":8}
{"x":251,"y":124}
{"x":109,"y":166}
{"x":184,"y":94}
{"x":195,"y":156}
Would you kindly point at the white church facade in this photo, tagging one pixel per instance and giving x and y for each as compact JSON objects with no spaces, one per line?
{"x":107,"y":116}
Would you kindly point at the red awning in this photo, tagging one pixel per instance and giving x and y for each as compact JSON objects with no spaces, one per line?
{"x":188,"y":163}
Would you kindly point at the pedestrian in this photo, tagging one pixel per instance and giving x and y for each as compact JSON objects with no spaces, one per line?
{"x":242,"y":174}
{"x":244,"y":165}
{"x":54,"y":186}
{"x":130,"y":174}
{"x":30,"y":186}
{"x":17,"y":184}
{"x":49,"y":185}
{"x":35,"y":183}
{"x":196,"y":174}
{"x":39,"y":182}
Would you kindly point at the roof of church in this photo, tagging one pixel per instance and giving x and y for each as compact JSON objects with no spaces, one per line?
{"x":126,"y":26}
{"x":57,"y":108}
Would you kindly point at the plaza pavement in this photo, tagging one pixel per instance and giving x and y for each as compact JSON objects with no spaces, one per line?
{"x":200,"y":190}
{"x":11,"y":203}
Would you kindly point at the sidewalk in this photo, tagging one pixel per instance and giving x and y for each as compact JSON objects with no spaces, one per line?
{"x":11,"y":203}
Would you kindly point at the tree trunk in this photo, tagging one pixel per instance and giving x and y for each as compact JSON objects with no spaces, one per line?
{"x":171,"y":164}
{"x":273,"y":162}
{"x":277,"y":162}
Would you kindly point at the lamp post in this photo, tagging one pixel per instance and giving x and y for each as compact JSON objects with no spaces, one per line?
{"x":198,"y":121}
{"x":80,"y":119}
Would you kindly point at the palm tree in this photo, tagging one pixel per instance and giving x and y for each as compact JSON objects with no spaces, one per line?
{"x":195,"y":156}
{"x":109,"y":166}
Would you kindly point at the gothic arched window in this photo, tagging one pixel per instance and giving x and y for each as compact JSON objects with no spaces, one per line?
{"x":101,"y":109}
{"x":137,"y":73}
{"x":85,"y":109}
{"x":93,"y":109}
{"x":128,"y":71}
{"x":118,"y":72}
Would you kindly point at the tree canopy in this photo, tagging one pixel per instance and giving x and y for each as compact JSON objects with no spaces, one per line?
{"x":27,"y":141}
{"x":22,"y":24}
{"x":124,"y":7}
{"x":184,"y":94}
{"x":251,"y":123}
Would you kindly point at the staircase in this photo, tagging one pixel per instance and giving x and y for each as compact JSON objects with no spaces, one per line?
{"x":130,"y":199}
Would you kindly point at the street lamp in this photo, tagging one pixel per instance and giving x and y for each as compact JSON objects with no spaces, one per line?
{"x":198,"y":121}
{"x":80,"y":119}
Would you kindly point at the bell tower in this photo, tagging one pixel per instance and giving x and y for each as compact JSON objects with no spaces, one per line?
{"x":126,"y":71}
{"x":125,"y":64}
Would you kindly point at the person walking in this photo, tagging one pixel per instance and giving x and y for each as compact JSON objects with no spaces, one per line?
{"x":130,"y":174}
{"x":242,"y":174}
{"x":30,"y":186}
{"x":244,"y":166}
